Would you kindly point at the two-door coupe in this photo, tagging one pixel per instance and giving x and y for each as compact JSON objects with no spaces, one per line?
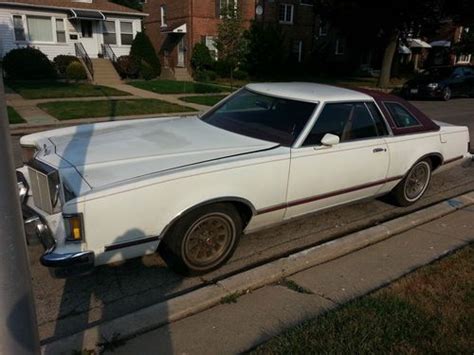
{"x":107,"y":192}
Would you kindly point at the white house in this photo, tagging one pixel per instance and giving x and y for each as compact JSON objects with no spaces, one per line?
{"x":68,"y":26}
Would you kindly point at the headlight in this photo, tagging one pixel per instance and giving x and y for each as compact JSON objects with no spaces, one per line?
{"x":433,"y":85}
{"x":74,"y":227}
{"x":54,"y":188}
{"x":23,"y":187}
{"x":28,"y":153}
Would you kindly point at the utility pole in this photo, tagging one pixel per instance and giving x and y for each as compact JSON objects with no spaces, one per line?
{"x":18,"y":328}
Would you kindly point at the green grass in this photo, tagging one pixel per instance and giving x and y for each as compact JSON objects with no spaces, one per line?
{"x":232,"y":298}
{"x":13,"y":116}
{"x":55,"y":89}
{"x":178,"y":87}
{"x":292,"y":285}
{"x":209,"y":100}
{"x":67,"y":110}
{"x":429,"y":311}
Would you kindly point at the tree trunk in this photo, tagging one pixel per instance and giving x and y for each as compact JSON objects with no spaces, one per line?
{"x":385,"y":73}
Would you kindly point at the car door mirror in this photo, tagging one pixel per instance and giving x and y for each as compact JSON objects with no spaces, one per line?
{"x":330,"y":139}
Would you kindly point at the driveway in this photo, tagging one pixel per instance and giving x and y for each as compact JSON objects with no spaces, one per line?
{"x":66,"y":306}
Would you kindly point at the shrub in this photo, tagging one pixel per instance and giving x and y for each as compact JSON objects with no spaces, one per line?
{"x":201,"y":58}
{"x":240,"y":75}
{"x":62,"y":61}
{"x":75,"y":71}
{"x":28,"y":63}
{"x":146,"y":71}
{"x":223,"y":68}
{"x":205,"y":75}
{"x":143,"y":50}
{"x":128,"y":66}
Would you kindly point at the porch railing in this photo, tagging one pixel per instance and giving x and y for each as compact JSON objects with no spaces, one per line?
{"x":82,"y":54}
{"x":108,"y":52}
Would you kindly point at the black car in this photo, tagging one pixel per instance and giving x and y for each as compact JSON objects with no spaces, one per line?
{"x":443,"y":82}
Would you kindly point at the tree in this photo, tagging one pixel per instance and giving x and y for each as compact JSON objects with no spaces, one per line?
{"x":201,"y":58}
{"x":367,"y":21}
{"x":230,"y":42}
{"x":265,"y":51}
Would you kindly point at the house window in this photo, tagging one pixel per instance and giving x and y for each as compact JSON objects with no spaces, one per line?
{"x":340,"y":46}
{"x":60,"y":31}
{"x":307,"y":2}
{"x":286,"y":13}
{"x":19,"y":28}
{"x":163,"y":15}
{"x":227,"y":7}
{"x":323,"y":28}
{"x":40,"y":29}
{"x":464,"y":58}
{"x":210,"y":43}
{"x":109,"y":32}
{"x":126,"y":33}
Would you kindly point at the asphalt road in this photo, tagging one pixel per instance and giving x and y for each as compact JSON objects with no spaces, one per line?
{"x":67,"y":306}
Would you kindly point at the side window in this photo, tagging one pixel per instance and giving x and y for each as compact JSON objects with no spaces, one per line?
{"x":332,"y":120}
{"x":379,"y":120}
{"x":400,"y":115}
{"x":348,"y":121}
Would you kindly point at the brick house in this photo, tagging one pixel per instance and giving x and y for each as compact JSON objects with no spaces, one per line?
{"x":175,"y":26}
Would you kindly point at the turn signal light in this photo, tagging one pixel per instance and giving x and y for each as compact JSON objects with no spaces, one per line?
{"x":74,"y":227}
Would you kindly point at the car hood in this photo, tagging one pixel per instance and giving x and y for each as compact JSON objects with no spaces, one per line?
{"x":110,"y":153}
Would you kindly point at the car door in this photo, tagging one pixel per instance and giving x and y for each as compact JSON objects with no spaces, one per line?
{"x":324,"y":176}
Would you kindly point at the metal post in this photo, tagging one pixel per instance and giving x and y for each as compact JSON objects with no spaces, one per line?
{"x":18,"y":328}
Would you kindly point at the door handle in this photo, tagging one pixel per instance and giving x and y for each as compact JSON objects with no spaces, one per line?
{"x":378,"y":150}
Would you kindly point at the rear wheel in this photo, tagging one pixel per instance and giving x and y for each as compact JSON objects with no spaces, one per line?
{"x":414,"y":185}
{"x":202,"y":240}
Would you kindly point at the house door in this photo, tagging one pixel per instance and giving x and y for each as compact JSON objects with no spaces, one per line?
{"x":89,"y":37}
{"x":181,"y":52}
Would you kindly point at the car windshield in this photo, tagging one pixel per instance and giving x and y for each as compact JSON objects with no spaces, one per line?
{"x":260,"y":116}
{"x":441,"y":72}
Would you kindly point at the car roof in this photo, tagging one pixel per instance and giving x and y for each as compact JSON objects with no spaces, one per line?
{"x":310,"y":92}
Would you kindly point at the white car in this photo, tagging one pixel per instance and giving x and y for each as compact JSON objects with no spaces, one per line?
{"x":107,"y":192}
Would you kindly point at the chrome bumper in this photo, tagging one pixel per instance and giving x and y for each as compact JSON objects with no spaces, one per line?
{"x":36,"y":229}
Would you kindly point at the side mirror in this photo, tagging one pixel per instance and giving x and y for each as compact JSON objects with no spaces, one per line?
{"x":330,"y":139}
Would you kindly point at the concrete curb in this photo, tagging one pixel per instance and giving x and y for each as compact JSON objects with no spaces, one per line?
{"x":152,"y":317}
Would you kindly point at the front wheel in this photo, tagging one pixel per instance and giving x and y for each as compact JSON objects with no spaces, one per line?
{"x":414,"y":185}
{"x":447,"y":94}
{"x":202,"y":240}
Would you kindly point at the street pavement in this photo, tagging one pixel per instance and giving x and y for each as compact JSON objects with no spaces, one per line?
{"x":67,"y":306}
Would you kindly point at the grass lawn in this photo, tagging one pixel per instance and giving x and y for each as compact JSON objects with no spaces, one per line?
{"x":67,"y":110}
{"x":209,"y":100}
{"x":178,"y":87}
{"x":13,"y":116}
{"x":428,"y":311}
{"x":55,"y":89}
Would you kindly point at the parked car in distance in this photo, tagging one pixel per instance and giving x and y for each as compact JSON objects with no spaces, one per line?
{"x":189,"y":187}
{"x":443,"y":82}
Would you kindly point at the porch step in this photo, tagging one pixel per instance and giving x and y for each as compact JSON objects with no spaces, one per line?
{"x":167,"y":74}
{"x":181,"y":74}
{"x":104,"y":72}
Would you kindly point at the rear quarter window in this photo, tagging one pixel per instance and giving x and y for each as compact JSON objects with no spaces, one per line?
{"x":401,"y":116}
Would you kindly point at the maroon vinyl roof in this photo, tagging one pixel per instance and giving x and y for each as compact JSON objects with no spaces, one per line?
{"x":426,"y":124}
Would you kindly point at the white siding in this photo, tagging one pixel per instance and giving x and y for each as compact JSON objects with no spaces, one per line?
{"x":7,"y":37}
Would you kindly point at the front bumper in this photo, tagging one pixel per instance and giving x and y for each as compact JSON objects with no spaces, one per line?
{"x":36,"y":229}
{"x":422,"y":92}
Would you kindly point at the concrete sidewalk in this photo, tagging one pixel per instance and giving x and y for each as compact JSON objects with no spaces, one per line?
{"x":258,"y":316}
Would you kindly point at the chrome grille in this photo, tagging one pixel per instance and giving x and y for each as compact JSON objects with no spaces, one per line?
{"x":44,"y":187}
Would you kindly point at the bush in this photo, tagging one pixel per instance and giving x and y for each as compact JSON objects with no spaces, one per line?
{"x":27,"y":64}
{"x":205,"y":75}
{"x":223,"y":68}
{"x":62,"y":61}
{"x":143,"y":50}
{"x":75,"y":71}
{"x":128,"y":67}
{"x":240,"y":75}
{"x":201,"y":58}
{"x":146,"y":71}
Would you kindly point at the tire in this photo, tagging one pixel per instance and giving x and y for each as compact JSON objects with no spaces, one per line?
{"x":447,"y":94}
{"x":202,"y":240}
{"x":413,"y":185}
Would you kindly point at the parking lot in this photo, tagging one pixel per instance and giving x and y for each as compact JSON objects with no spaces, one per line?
{"x":66,"y":306}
